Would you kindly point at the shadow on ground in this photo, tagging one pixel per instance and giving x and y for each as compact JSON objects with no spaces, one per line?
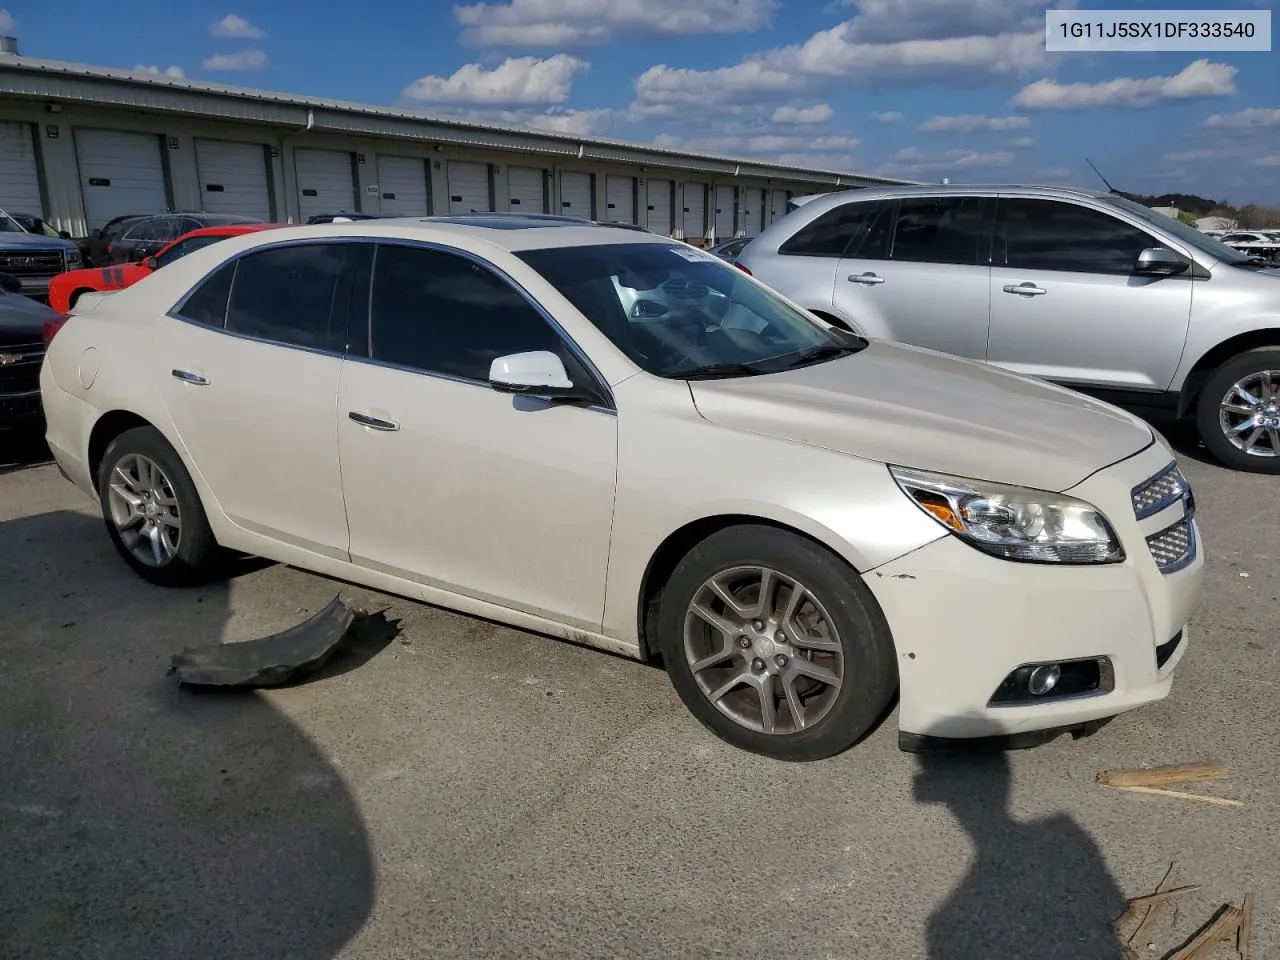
{"x":1038,"y":889}
{"x":138,"y":820}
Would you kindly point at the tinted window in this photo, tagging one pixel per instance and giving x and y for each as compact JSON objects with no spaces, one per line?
{"x":940,"y":230}
{"x":208,"y":303}
{"x":831,"y":233}
{"x":442,"y":313}
{"x":1050,"y":235}
{"x":144,"y":230}
{"x":287,"y":294}
{"x":183,"y":247}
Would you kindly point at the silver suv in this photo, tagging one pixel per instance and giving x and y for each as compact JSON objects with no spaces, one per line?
{"x":1083,"y":288}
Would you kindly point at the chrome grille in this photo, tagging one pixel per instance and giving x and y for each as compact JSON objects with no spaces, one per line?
{"x":1174,"y":547}
{"x":1153,"y":495}
{"x":35,"y":263}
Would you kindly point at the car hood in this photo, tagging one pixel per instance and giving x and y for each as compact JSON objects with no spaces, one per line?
{"x":12,"y":241}
{"x":21,"y":319}
{"x":918,"y":408}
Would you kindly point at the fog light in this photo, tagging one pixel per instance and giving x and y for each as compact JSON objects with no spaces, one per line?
{"x":1043,"y":679}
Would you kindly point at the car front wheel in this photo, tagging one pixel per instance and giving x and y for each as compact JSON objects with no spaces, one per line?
{"x":1238,"y":412}
{"x":153,"y":514}
{"x":775,"y":644}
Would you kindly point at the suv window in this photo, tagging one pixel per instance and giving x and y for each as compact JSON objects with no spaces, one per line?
{"x":148,"y":229}
{"x":287,"y":294}
{"x":1052,"y":235}
{"x":941,"y":230}
{"x":441,"y":313}
{"x":189,"y":245}
{"x":831,"y":233}
{"x":207,"y":304}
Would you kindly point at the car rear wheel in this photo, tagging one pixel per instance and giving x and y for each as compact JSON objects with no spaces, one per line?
{"x":775,"y":644}
{"x":153,"y":514}
{"x":1238,"y":412}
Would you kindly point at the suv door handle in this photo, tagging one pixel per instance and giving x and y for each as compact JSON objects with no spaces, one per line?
{"x":1025,"y":289}
{"x":377,"y":423}
{"x":186,"y":376}
{"x":867,"y":277}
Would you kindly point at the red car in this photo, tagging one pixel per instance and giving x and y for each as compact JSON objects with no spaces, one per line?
{"x":65,"y":289}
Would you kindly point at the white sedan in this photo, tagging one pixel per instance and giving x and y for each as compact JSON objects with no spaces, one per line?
{"x":615,"y":438}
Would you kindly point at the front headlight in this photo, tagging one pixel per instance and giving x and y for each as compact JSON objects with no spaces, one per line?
{"x":73,"y":259}
{"x":1013,"y":522}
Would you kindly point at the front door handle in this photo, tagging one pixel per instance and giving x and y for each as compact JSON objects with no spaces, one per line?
{"x":186,"y":376}
{"x":867,"y":277}
{"x":1025,"y":289}
{"x":377,"y":423}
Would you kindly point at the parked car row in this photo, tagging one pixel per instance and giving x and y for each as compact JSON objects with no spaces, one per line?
{"x":489,"y":413}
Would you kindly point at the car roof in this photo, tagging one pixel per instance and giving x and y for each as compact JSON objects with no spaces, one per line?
{"x":230,"y":229}
{"x":942,"y":189}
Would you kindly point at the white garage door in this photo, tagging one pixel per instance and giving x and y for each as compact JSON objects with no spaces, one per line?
{"x":525,"y":190}
{"x":620,"y":198}
{"x":19,"y":184}
{"x":575,"y":194}
{"x":233,"y":178}
{"x":777,"y":205}
{"x":402,"y":185}
{"x":325,"y":182}
{"x":695,"y":210}
{"x":469,"y":187}
{"x":752,"y":210}
{"x":658,"y":195}
{"x":724,"y":213}
{"x":120,"y":173}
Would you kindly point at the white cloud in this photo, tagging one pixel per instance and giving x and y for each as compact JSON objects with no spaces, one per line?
{"x":581,"y":122}
{"x":974,"y":123}
{"x":663,"y":90}
{"x":1245,"y":119}
{"x":515,"y":80}
{"x":174,"y":71}
{"x":1271,"y":161}
{"x":818,"y":113}
{"x":888,"y":21}
{"x":244,"y":60}
{"x":6,"y":22}
{"x":912,"y":160}
{"x":530,"y":23}
{"x":759,"y":143}
{"x":1022,"y":143}
{"x":1199,"y":79}
{"x":887,"y":116}
{"x":822,"y":161}
{"x":1190,"y":156}
{"x":235,"y":26}
{"x":1055,"y":174}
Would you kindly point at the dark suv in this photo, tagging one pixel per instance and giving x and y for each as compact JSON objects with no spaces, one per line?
{"x":143,"y":237}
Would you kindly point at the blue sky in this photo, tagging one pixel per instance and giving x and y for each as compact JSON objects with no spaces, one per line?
{"x":918,"y":88}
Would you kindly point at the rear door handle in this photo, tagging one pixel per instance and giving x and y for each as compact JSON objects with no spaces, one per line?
{"x":865,"y":278}
{"x":377,"y":423}
{"x":186,"y":376}
{"x":1026,"y":289}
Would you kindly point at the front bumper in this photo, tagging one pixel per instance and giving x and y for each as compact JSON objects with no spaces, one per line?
{"x":963,"y":621}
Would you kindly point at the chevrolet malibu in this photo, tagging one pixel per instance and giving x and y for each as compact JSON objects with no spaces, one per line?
{"x":618,"y":439}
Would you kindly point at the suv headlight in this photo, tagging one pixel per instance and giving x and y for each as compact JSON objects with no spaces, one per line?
{"x":1014,"y":523}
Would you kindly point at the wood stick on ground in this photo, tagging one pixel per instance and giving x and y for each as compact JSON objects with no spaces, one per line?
{"x":1220,"y":801}
{"x":1160,"y":896}
{"x":1152,"y":910}
{"x":1161,"y":776}
{"x":1224,"y":923}
{"x":1246,"y":928}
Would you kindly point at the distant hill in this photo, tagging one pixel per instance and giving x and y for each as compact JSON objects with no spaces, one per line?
{"x":1189,"y":202}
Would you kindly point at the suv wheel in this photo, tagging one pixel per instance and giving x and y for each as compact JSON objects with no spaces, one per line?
{"x":1238,"y":413}
{"x":775,"y":644}
{"x":153,"y":515}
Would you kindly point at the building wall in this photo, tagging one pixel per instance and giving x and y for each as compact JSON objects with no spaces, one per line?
{"x":64,"y":205}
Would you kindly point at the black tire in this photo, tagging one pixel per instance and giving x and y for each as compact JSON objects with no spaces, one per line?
{"x":198,"y":558}
{"x":1211,"y":396}
{"x":866,"y":644}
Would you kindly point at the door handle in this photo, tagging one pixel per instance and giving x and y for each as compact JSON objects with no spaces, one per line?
{"x":1026,"y":289}
{"x":186,"y":376}
{"x":377,"y":423}
{"x":867,"y":277}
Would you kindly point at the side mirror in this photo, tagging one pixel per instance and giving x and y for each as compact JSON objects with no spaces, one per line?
{"x":1160,"y":262}
{"x":64,"y":234}
{"x":9,"y":283}
{"x":151,"y":263}
{"x":539,"y":373}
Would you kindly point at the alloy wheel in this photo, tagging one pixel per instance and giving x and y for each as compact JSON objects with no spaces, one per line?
{"x":763,"y":650}
{"x":144,"y":509}
{"x":1249,"y":414}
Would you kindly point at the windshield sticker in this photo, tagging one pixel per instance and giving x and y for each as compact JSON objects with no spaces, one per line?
{"x":693,"y":255}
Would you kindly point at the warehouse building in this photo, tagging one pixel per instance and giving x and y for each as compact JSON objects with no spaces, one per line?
{"x":84,"y":144}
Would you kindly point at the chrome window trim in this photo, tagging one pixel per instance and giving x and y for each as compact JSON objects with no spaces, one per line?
{"x":175,"y":312}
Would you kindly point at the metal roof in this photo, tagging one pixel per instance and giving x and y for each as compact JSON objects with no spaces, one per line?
{"x":108,"y":86}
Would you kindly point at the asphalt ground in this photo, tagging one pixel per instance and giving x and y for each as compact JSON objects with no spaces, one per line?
{"x":472,"y":791}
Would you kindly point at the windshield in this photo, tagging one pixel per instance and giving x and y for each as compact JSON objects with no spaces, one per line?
{"x":1184,"y":232}
{"x":9,"y":225}
{"x":678,"y":312}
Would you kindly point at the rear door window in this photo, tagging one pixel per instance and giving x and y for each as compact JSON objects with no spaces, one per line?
{"x":832,"y":233}
{"x":942,"y":230}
